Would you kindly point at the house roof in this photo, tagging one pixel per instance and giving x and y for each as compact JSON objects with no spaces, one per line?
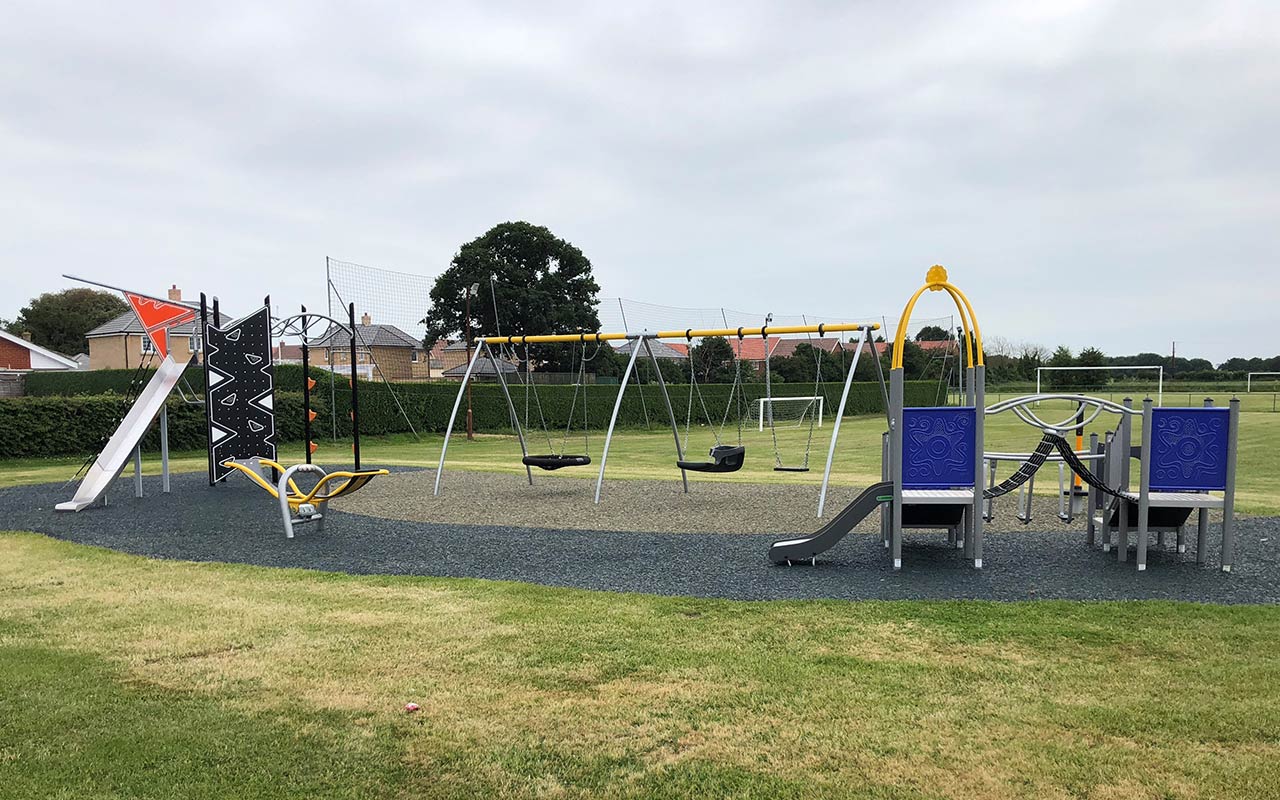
{"x":371,"y":336}
{"x":129,"y":324}
{"x":36,"y":349}
{"x":483,"y":367}
{"x":660,"y":350}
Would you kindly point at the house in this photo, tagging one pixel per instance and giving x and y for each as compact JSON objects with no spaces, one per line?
{"x":122,"y":343}
{"x":668,"y":351}
{"x":397,"y":355}
{"x":18,"y":354}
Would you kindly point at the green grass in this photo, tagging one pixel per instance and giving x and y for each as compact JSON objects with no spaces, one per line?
{"x":124,"y":677}
{"x":649,"y":454}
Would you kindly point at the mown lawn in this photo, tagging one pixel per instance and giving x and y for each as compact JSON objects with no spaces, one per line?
{"x":123,"y":677}
{"x":650,"y":454}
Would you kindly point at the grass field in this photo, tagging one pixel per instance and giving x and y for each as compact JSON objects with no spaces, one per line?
{"x":124,"y":677}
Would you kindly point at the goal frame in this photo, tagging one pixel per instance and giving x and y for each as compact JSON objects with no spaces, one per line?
{"x":1248,"y":379}
{"x":809,"y":398}
{"x":1158,"y":367}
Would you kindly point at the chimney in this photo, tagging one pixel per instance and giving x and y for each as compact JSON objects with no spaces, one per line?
{"x":366,"y":320}
{"x":26,"y":335}
{"x":175,"y":294}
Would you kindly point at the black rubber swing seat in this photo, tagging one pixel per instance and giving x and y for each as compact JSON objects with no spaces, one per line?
{"x":553,"y":461}
{"x":790,"y":469}
{"x":724,"y":458}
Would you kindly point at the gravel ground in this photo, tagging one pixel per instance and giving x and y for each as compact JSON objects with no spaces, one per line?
{"x":238,"y":523}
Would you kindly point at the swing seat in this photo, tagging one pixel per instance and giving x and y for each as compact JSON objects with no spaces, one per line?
{"x":724,"y":458}
{"x":553,"y":461}
{"x":790,"y":469}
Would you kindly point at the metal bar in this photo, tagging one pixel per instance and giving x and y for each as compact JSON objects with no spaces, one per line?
{"x":613,"y":420}
{"x":675,"y":426}
{"x":511,"y":409}
{"x":306,"y":391}
{"x":693,"y":333}
{"x":835,"y":430}
{"x":137,"y":470}
{"x":164,"y":448}
{"x":895,"y":457}
{"x":1229,"y":496}
{"x":355,"y":393}
{"x":453,"y":415}
{"x":980,"y":388}
{"x":1144,"y":485}
{"x":204,"y":364}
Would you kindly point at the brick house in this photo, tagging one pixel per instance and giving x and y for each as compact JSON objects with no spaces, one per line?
{"x":398,"y":356}
{"x":122,"y":343}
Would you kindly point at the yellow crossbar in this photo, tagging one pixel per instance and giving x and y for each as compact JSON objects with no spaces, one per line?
{"x":690,"y":333}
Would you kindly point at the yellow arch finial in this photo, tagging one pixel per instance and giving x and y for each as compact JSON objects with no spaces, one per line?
{"x":935,"y":280}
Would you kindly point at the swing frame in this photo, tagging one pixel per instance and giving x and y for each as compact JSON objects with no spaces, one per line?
{"x":485,"y":350}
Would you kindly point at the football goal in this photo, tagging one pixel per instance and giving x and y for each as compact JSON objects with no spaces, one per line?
{"x":1059,"y":384}
{"x":788,"y":412}
{"x":1267,"y":382}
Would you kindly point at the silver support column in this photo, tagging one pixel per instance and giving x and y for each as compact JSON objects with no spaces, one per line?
{"x":835,"y":430}
{"x":511,"y":409}
{"x":1229,"y":496}
{"x":457,"y":401}
{"x":895,"y":457}
{"x":613,"y":420}
{"x":164,"y":448}
{"x":973,"y":542}
{"x":671,"y":414}
{"x":137,"y":470}
{"x":1144,"y":485}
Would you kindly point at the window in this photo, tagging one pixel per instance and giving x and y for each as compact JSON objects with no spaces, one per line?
{"x":194,"y":343}
{"x":147,"y":346}
{"x":413,"y":355}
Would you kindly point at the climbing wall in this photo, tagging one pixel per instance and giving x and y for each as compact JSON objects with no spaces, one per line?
{"x":240,"y":383}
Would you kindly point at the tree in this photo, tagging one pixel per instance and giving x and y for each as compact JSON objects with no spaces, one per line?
{"x":712,"y":360}
{"x":59,"y":320}
{"x":1092,"y":357}
{"x":932,"y":333}
{"x":1061,"y":357}
{"x":540,"y":284}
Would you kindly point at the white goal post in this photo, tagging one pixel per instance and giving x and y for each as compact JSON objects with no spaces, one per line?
{"x":1159,"y":375}
{"x":1248,"y":379}
{"x":796,"y":415}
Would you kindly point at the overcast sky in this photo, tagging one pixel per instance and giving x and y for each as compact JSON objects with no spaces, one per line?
{"x":1091,"y":173}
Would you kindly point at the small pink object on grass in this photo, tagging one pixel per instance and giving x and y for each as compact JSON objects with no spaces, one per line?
{"x":411,"y":707}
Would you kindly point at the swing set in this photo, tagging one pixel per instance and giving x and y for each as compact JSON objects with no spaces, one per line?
{"x":722,"y":457}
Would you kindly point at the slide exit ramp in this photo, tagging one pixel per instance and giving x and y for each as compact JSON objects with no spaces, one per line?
{"x":807,"y":547}
{"x":116,"y":454}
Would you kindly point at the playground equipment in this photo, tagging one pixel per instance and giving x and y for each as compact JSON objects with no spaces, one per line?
{"x":232,"y":370}
{"x":723,"y":457}
{"x":157,"y":317}
{"x":557,"y":458}
{"x":641,"y":341}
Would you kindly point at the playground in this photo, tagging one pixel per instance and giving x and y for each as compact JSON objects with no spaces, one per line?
{"x":607,"y":610}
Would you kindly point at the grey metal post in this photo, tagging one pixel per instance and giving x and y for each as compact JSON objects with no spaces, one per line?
{"x":886,"y":516}
{"x":1091,"y":500}
{"x":137,"y":470}
{"x":1123,"y":458}
{"x":979,"y":399}
{"x":457,"y":401}
{"x":164,"y":448}
{"x":1229,"y":496}
{"x":1144,"y":485}
{"x":895,"y":458}
{"x":613,"y":420}
{"x":835,"y":430}
{"x":666,"y":398}
{"x":511,"y":408}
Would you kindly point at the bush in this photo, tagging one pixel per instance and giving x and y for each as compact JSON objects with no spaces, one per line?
{"x":58,"y":420}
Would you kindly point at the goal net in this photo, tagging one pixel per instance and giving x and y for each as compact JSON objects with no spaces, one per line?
{"x":788,"y":412}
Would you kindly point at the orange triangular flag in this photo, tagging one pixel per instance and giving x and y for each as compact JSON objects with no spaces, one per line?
{"x":157,"y":316}
{"x":311,"y":416}
{"x":314,"y":446}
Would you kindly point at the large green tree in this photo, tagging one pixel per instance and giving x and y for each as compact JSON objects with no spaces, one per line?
{"x":537,"y":283}
{"x":932,"y":333}
{"x":59,"y":320}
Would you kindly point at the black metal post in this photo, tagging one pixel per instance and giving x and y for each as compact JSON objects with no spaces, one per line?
{"x":355,"y":393}
{"x":467,"y":316}
{"x":306,"y":389}
{"x":204,"y":362}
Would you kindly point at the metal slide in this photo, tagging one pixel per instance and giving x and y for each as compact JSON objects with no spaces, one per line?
{"x":825,"y":538}
{"x":116,"y":454}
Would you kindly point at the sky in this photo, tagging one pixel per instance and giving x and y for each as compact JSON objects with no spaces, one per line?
{"x":1098,"y":174}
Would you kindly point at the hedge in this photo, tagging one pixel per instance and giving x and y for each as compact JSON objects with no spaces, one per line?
{"x":56,"y":425}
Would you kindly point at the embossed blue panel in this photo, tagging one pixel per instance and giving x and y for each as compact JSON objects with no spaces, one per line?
{"x":1189,"y":449}
{"x":938,"y":447}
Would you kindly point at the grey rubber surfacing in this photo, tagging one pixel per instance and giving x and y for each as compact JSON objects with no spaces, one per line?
{"x":238,"y":523}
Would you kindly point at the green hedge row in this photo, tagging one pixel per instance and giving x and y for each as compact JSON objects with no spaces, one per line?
{"x":55,"y":425}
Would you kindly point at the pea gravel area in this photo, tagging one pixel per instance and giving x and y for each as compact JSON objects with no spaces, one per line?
{"x":496,"y":527}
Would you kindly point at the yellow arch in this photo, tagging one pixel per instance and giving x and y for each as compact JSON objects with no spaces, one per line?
{"x":936,"y":281}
